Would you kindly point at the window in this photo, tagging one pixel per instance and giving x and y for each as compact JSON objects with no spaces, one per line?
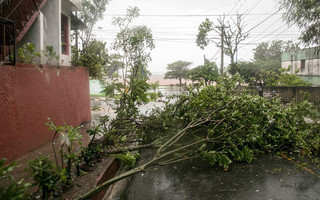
{"x":303,"y":64}
{"x":64,"y":34}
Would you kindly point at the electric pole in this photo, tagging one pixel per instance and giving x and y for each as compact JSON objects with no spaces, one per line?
{"x":222,"y":51}
{"x":222,"y":58}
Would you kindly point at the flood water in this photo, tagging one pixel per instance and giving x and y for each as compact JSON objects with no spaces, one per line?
{"x":268,"y":178}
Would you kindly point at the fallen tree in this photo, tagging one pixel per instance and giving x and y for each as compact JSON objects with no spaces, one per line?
{"x":220,"y":126}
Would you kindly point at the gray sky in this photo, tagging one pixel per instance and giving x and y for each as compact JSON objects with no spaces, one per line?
{"x":174,"y":25}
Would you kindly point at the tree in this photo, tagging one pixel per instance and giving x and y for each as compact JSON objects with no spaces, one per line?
{"x":93,"y":53}
{"x":220,"y":126}
{"x":272,"y":50}
{"x":91,"y":12}
{"x":94,"y":56}
{"x":205,"y":73}
{"x":231,"y":33}
{"x":305,"y":14}
{"x":266,"y":63}
{"x":256,"y":72}
{"x":134,"y":45}
{"x":285,"y":79}
{"x":178,"y":70}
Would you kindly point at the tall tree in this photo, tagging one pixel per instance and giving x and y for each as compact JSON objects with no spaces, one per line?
{"x":231,"y":33}
{"x":266,"y":63}
{"x":306,"y":15}
{"x":272,"y":50}
{"x":92,"y":53}
{"x":205,"y":73}
{"x":134,"y":44}
{"x":178,"y":70}
{"x":91,"y":12}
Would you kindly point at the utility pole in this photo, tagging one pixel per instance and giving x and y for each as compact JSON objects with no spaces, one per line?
{"x":222,"y":58}
{"x":222,"y":43}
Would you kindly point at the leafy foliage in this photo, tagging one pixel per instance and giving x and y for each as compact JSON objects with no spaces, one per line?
{"x":12,"y":189}
{"x":69,"y":136}
{"x":154,"y":86}
{"x":134,"y":45}
{"x":266,"y":64}
{"x":233,"y":126}
{"x":26,"y":53}
{"x":91,"y":152}
{"x":127,"y":158}
{"x":50,"y":54}
{"x":272,"y":50}
{"x":285,"y":79}
{"x":206,"y":73}
{"x":93,"y":56}
{"x":44,"y":174}
{"x":91,"y":12}
{"x":305,"y":14}
{"x":178,"y":70}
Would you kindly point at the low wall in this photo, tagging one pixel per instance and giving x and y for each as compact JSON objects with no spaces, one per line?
{"x":287,"y":94}
{"x":29,"y":94}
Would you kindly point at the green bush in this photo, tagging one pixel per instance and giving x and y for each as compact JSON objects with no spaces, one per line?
{"x":12,"y":190}
{"x":44,"y":174}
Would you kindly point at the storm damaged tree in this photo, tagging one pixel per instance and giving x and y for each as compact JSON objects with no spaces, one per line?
{"x":231,"y":34}
{"x":217,"y":125}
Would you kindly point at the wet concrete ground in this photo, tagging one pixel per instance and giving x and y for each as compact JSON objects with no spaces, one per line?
{"x":271,"y":177}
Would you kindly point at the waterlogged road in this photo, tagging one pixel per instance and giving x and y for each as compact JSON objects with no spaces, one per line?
{"x":271,"y":177}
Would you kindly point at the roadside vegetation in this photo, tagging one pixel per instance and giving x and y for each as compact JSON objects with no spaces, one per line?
{"x":214,"y":123}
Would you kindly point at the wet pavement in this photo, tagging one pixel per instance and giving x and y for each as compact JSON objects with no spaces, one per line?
{"x":271,"y":177}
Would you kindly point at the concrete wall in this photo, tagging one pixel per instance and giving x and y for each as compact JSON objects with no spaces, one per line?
{"x":312,"y":67}
{"x":46,"y":30}
{"x":29,"y":95}
{"x":287,"y":94}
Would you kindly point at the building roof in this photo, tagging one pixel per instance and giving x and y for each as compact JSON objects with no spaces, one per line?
{"x":75,"y":5}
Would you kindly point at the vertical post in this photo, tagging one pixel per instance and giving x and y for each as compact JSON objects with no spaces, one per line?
{"x":222,"y":38}
{"x":77,"y":36}
{"x":204,"y":59}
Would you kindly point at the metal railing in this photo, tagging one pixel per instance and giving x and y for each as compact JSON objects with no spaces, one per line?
{"x":15,"y":20}
{"x":7,"y":42}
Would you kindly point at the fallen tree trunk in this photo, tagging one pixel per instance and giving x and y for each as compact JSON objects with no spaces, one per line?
{"x":158,"y":159}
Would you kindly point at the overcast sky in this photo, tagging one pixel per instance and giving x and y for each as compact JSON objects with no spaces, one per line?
{"x":174,"y":25}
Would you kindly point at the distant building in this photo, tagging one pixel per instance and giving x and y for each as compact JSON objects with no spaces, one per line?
{"x":305,"y":63}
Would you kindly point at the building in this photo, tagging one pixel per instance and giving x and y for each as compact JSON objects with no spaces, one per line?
{"x":32,"y":93}
{"x":43,"y":23}
{"x":305,"y":63}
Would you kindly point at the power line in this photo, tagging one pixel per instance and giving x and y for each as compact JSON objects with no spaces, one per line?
{"x":264,"y":20}
{"x":191,"y":15}
{"x":252,"y":8}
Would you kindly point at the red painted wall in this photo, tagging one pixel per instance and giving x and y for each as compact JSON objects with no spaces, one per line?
{"x":29,"y":94}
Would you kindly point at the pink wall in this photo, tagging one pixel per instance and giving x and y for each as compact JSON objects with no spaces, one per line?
{"x":29,"y":94}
